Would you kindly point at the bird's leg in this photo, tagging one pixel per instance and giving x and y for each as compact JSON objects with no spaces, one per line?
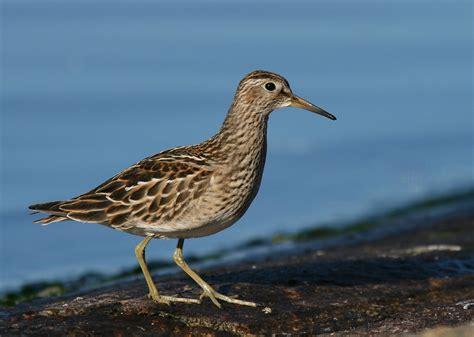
{"x":155,"y":296}
{"x":207,"y":289}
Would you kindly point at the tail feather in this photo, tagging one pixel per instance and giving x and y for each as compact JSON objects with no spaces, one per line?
{"x":50,"y":219}
{"x":51,"y":208}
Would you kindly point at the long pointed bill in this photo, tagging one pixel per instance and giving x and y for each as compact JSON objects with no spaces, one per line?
{"x":298,"y":102}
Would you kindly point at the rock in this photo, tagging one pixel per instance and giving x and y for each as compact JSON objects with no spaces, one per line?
{"x":401,"y":284}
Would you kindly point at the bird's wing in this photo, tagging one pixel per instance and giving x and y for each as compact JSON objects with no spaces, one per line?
{"x":158,"y":188}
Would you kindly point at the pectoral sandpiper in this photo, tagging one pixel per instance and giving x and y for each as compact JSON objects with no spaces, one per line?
{"x":190,"y":191}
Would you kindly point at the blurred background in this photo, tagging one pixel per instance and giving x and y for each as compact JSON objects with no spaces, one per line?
{"x":90,"y":87}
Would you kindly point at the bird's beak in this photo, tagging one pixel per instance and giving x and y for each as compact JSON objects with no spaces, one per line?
{"x":298,"y":102}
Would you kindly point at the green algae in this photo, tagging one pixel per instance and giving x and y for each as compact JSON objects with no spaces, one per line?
{"x":433,"y":202}
{"x":31,"y":291}
{"x":326,"y":231}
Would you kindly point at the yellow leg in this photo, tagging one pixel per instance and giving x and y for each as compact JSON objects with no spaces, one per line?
{"x":207,"y":289}
{"x":155,"y":296}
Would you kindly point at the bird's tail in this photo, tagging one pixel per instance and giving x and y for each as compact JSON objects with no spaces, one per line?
{"x":51,"y":208}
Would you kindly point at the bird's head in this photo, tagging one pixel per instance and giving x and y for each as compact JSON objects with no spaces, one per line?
{"x":267,"y":91}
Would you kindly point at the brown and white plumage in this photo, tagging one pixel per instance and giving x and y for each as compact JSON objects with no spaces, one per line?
{"x":157,"y":190}
{"x":190,"y":191}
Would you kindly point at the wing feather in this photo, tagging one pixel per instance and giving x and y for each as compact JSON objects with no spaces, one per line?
{"x":158,"y":188}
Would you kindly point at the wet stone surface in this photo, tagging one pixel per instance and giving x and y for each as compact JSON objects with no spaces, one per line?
{"x":400,"y":284}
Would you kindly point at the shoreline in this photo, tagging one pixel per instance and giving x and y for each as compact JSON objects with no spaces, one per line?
{"x":379,"y":281}
{"x":384,"y":223}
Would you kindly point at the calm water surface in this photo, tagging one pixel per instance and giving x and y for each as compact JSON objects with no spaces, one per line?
{"x":90,"y":87}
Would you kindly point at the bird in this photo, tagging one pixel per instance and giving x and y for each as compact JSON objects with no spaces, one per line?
{"x":190,"y":191}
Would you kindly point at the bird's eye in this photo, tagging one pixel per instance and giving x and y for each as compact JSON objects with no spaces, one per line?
{"x":270,"y":86}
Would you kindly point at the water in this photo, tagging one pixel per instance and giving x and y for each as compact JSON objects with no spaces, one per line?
{"x":90,"y":87}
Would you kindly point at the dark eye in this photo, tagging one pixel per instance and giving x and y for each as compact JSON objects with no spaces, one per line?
{"x":270,"y":86}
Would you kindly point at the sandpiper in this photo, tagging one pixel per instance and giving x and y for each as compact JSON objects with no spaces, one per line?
{"x":190,"y":191}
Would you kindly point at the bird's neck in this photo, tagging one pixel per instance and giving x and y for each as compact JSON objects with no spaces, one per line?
{"x":243,"y":133}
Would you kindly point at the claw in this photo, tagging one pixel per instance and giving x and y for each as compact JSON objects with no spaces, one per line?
{"x":155,"y":297}
{"x":158,"y":299}
{"x":168,"y":299}
{"x":214,"y":295}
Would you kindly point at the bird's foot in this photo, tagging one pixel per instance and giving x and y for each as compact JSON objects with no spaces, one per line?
{"x":214,"y":296}
{"x":168,"y":299}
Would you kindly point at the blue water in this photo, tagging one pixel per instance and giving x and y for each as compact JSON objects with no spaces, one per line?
{"x":90,"y":87}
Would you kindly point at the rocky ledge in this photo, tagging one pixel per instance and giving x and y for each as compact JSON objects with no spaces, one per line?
{"x":402,"y":282}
